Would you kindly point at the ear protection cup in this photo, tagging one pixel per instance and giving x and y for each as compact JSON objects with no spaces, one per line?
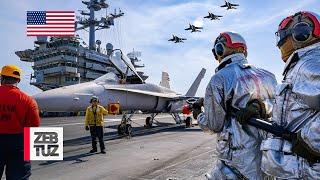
{"x":214,"y":53}
{"x":219,"y":49}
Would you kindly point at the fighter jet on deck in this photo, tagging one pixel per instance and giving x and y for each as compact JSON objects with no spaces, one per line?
{"x":229,"y":5}
{"x":212,"y":16}
{"x":193,"y":28}
{"x":115,"y":91}
{"x":176,"y":39}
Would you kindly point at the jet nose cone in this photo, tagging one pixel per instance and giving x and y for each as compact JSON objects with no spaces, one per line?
{"x":72,"y":98}
{"x":54,"y":102}
{"x":48,"y":102}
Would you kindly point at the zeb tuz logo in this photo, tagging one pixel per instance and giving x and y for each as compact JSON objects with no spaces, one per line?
{"x":43,"y":143}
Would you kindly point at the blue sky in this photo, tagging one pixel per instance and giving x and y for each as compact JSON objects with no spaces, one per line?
{"x":148,"y":24}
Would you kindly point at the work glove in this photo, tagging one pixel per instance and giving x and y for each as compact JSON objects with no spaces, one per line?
{"x":87,"y":128}
{"x":254,"y":109}
{"x":196,"y":107}
{"x":302,"y":149}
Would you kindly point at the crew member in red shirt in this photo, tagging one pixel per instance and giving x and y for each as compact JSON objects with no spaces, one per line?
{"x":17,"y":110}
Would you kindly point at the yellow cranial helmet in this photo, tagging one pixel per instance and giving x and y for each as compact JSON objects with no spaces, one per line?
{"x":11,"y":71}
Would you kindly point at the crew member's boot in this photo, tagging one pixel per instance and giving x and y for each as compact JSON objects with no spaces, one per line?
{"x":93,"y":133}
{"x":94,"y":145}
{"x":101,"y":142}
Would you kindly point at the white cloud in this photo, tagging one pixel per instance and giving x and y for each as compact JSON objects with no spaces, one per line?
{"x":198,"y":22}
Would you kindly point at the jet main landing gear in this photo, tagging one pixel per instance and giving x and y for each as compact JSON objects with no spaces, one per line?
{"x":179,"y":120}
{"x":149,"y":120}
{"x":188,"y":122}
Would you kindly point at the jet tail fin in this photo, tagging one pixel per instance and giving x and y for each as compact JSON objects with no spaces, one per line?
{"x":195,"y":85}
{"x":165,"y":80}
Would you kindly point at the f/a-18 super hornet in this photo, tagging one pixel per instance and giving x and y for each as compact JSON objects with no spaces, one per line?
{"x":193,"y":28}
{"x":115,"y":91}
{"x":229,"y":5}
{"x":212,"y":16}
{"x":176,"y":39}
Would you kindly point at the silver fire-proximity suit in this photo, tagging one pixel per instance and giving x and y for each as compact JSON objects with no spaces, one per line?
{"x":232,"y":87}
{"x":297,"y":109}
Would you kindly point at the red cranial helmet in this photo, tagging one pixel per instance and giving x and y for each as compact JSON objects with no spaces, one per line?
{"x":301,"y":26}
{"x":230,"y":40}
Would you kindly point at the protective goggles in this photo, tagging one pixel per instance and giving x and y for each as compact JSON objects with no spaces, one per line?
{"x":300,"y":32}
{"x":219,"y":48}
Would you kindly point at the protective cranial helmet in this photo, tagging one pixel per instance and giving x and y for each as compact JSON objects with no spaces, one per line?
{"x":11,"y":71}
{"x":94,"y":98}
{"x":228,"y":43}
{"x":297,"y":31}
{"x":301,"y":27}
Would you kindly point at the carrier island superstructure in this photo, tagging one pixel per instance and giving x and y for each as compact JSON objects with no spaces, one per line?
{"x":63,"y":61}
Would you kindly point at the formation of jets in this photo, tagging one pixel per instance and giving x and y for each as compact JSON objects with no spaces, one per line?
{"x":211,"y":17}
{"x":176,"y":39}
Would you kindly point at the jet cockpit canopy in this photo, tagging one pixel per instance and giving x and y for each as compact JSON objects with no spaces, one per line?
{"x":124,"y":65}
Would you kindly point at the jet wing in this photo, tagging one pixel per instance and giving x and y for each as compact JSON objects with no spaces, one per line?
{"x":179,"y":98}
{"x":224,"y":5}
{"x":189,"y":28}
{"x":171,"y":96}
{"x":150,"y":93}
{"x":198,"y":27}
{"x":234,"y":4}
{"x":207,"y":17}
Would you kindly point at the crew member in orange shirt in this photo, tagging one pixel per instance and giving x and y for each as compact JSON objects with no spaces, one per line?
{"x":17,"y":110}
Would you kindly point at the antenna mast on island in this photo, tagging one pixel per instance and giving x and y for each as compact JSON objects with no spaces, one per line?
{"x":89,"y":21}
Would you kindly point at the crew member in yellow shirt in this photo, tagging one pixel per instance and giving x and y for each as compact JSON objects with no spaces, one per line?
{"x":94,"y":123}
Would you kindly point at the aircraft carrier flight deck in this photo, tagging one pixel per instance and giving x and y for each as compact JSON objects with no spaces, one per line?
{"x":165,"y":151}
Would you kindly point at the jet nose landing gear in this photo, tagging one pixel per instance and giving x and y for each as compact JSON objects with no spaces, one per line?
{"x":125,"y":128}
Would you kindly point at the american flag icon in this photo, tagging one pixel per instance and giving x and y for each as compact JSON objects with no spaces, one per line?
{"x":50,"y":23}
